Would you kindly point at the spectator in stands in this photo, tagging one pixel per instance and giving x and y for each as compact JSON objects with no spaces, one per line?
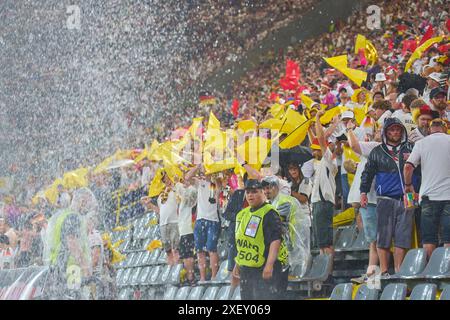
{"x":438,"y":98}
{"x":187,"y":198}
{"x":294,"y":221}
{"x":30,"y":246}
{"x":261,"y":251}
{"x":422,"y":118}
{"x":236,"y":203}
{"x":167,"y":209}
{"x":207,"y":226}
{"x":97,"y":252}
{"x":382,"y":111}
{"x":386,"y":163}
{"x":7,"y":230}
{"x":433,"y":80}
{"x":324,"y":189}
{"x":432,"y":153}
{"x":6,"y":255}
{"x":404,"y":113}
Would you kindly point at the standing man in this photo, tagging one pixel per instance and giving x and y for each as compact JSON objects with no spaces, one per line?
{"x":261,"y":251}
{"x":386,"y":163}
{"x":422,"y":118}
{"x":433,"y":155}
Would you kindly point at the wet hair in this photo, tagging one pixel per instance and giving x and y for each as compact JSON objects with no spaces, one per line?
{"x":408,"y":99}
{"x":382,"y":104}
{"x":417,"y":103}
{"x":379,"y":92}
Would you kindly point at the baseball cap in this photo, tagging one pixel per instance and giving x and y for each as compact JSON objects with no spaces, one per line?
{"x":347,"y":114}
{"x":436,"y":76}
{"x":380,"y":77}
{"x":253,"y":184}
{"x":434,"y":92}
{"x":270,"y":181}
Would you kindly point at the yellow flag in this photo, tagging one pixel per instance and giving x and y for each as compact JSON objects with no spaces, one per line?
{"x":420,"y":50}
{"x":75,"y":179}
{"x":370,"y":52}
{"x":330,"y":114}
{"x":246,"y":125}
{"x":273,"y":123}
{"x":297,"y":136}
{"x":308,"y":102}
{"x":277,"y":110}
{"x":52,"y":192}
{"x":212,"y":166}
{"x":156,"y":186}
{"x":291,"y":120}
{"x":153,"y":153}
{"x":155,"y":244}
{"x":194,"y":127}
{"x":340,"y":63}
{"x":173,"y":171}
{"x":144,"y":154}
{"x":254,"y":151}
{"x":350,"y":154}
{"x":103,"y":165}
{"x":360,"y":114}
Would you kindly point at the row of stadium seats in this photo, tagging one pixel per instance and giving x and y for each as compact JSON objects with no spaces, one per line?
{"x":202,"y":293}
{"x":393,"y":291}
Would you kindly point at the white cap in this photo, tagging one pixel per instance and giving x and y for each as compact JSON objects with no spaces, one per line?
{"x":436,"y":76}
{"x":347,"y":114}
{"x":380,"y":77}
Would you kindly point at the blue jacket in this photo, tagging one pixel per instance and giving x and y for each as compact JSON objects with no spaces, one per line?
{"x":382,"y":166}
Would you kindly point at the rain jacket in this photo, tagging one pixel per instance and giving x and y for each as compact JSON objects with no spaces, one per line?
{"x":389,"y":180}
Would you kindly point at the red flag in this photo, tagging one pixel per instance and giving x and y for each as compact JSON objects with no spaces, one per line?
{"x":410,"y":45}
{"x":447,"y":24}
{"x":235,"y":108}
{"x":428,"y":34}
{"x":362,"y":57}
{"x":273,"y":96}
{"x":290,"y":81}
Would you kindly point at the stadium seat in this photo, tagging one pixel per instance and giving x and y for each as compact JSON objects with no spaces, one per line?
{"x":346,"y":238}
{"x":222,"y":250}
{"x":137,"y":257}
{"x":364,"y":293}
{"x":154,"y":255}
{"x":125,"y":294}
{"x":413,"y":264}
{"x":236,"y":294}
{"x":128,"y":261}
{"x":342,"y":291}
{"x":154,"y":275}
{"x":225,"y":293}
{"x":174,"y":277}
{"x":223,"y":275}
{"x":126,"y":277}
{"x":134,"y":278}
{"x":196,"y":293}
{"x":445,"y":294}
{"x":394,"y":291}
{"x":439,"y":265}
{"x":119,"y":275}
{"x":164,"y":276}
{"x":183,"y":293}
{"x":360,"y":242}
{"x":170,"y":293}
{"x":145,"y":260}
{"x":162,"y":258}
{"x":320,"y":269}
{"x":424,"y":291}
{"x":144,"y":275}
{"x":211,"y":293}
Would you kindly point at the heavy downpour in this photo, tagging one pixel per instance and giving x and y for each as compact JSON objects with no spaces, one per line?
{"x":224,"y":150}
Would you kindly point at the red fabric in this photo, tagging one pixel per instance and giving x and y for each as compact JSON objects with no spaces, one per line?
{"x":428,"y":34}
{"x":362,"y":57}
{"x":410,"y":45}
{"x":273,"y":96}
{"x":235,"y":108}
{"x":390,"y":44}
{"x":447,"y":24}
{"x":290,"y":80}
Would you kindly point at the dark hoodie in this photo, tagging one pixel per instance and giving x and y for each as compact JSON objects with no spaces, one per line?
{"x":381,"y":165}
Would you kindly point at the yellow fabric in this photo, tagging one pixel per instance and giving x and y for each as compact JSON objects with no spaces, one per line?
{"x":340,"y":63}
{"x":212,"y":166}
{"x":76,"y":179}
{"x":116,"y":255}
{"x":420,"y":50}
{"x":254,"y":151}
{"x":103,"y":165}
{"x":370,"y":52}
{"x":360,"y":114}
{"x":273,"y":123}
{"x":51,"y":193}
{"x":344,"y":218}
{"x":246,"y":125}
{"x":350,"y":154}
{"x":156,"y":186}
{"x":297,"y":136}
{"x":277,"y":110}
{"x":155,"y":244}
{"x":121,"y":228}
{"x":194,"y":127}
{"x":291,"y":120}
{"x":153,"y":153}
{"x":330,"y":114}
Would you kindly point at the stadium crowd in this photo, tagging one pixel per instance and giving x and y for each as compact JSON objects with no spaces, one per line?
{"x":398,"y":147}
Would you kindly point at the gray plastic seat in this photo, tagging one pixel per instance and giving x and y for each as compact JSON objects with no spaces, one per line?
{"x":154,"y":275}
{"x":136,"y":259}
{"x":134,"y":278}
{"x":413,"y":264}
{"x":154,"y":255}
{"x":170,"y":293}
{"x":394,"y":291}
{"x":145,"y":260}
{"x":162,"y":258}
{"x":183,"y":293}
{"x":174,"y":277}
{"x":211,"y":293}
{"x":119,"y":275}
{"x":424,"y":291}
{"x":196,"y":293}
{"x":225,"y":293}
{"x":346,"y":238}
{"x":222,"y":250}
{"x":320,"y":269}
{"x":165,"y":273}
{"x":223,"y":275}
{"x":129,"y":260}
{"x":439,"y":265}
{"x":125,"y":278}
{"x":445,"y":294}
{"x":360,"y":242}
{"x":364,"y":293}
{"x":236,"y":294}
{"x":342,"y":291}
{"x":144,"y":275}
{"x":125,"y":294}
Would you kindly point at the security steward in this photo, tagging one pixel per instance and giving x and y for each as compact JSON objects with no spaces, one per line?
{"x":262,"y":256}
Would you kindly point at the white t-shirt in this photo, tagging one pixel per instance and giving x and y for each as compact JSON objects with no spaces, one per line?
{"x":325,"y":179}
{"x":406,"y":119}
{"x":205,"y":209}
{"x":168,"y":210}
{"x":360,"y":134}
{"x":308,"y":168}
{"x":188,"y":197}
{"x":433,"y":154}
{"x":385,"y":115}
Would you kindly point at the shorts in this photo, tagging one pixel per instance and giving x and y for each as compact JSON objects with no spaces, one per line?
{"x":187,"y":246}
{"x":393,"y":223}
{"x":170,"y":236}
{"x":206,"y":235}
{"x":369,"y":220}
{"x":435,"y":215}
{"x":323,"y":223}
